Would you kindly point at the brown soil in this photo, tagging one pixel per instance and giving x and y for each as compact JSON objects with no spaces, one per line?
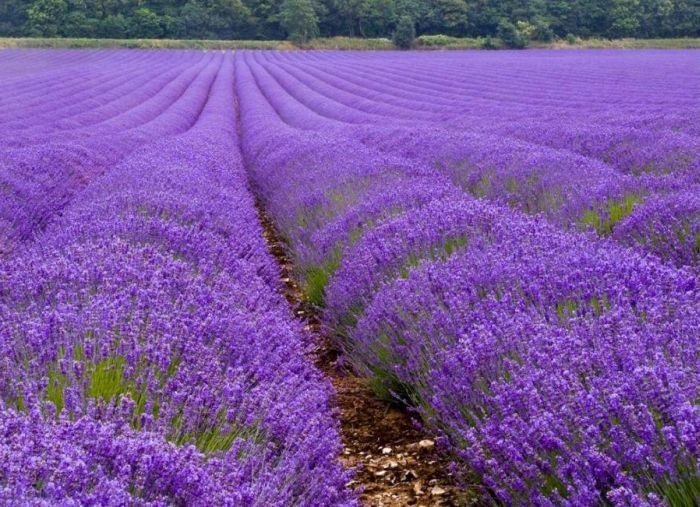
{"x":396,"y":464}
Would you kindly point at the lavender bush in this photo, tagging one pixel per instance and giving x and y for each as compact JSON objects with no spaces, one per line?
{"x":506,"y":243}
{"x":148,"y":356}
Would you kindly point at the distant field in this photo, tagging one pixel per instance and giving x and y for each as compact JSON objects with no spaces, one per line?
{"x":196,"y":245}
{"x":426,"y":42}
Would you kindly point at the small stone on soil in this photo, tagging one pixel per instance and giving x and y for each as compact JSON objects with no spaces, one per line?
{"x":437,"y":491}
{"x":418,"y":488}
{"x":426,"y":445}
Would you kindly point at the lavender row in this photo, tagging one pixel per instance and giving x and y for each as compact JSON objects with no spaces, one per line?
{"x":662,"y":111}
{"x":38,"y":91}
{"x":39,"y":179}
{"x":612,"y":137}
{"x":560,"y":367}
{"x":540,"y":86}
{"x":109,"y":98}
{"x":538,"y":168}
{"x":148,"y":355}
{"x":570,"y":190}
{"x":562,"y":371}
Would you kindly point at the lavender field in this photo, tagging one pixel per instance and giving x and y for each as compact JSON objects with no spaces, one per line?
{"x":505,"y":243}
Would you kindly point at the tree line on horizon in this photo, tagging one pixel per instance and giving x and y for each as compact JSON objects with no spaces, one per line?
{"x":300,"y":20}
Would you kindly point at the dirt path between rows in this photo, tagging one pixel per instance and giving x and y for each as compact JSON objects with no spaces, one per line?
{"x":396,"y":463}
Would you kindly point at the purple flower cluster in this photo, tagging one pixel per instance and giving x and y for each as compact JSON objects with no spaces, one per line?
{"x":666,"y":225}
{"x":524,"y":148}
{"x":563,"y":372}
{"x":147,"y":356}
{"x":44,"y":164}
{"x":465,"y":220}
{"x":507,"y":242}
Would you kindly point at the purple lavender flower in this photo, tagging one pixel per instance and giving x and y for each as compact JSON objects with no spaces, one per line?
{"x":558,"y":364}
{"x":148,"y":354}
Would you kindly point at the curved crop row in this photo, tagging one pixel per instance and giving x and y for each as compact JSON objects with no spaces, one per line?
{"x":39,"y":179}
{"x":148,"y":356}
{"x":580,"y":175}
{"x":559,"y":365}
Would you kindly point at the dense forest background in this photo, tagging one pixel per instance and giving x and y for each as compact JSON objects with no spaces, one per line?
{"x":278,"y":19}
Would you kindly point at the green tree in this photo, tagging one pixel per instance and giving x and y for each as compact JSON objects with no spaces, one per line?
{"x":265,"y":18}
{"x":193,"y":21}
{"x":44,"y":17}
{"x":113,"y":27}
{"x":77,"y":24}
{"x":405,"y":34}
{"x":510,"y":35}
{"x":625,"y":15}
{"x":13,"y":18}
{"x":298,"y":18}
{"x":516,"y":20}
{"x":684,"y":20}
{"x":365,"y":13}
{"x":450,"y":16}
{"x":421,"y":13}
{"x":542,"y":30}
{"x":346,"y":17}
{"x":145,"y":24}
{"x":221,"y":19}
{"x":655,"y":17}
{"x":231,"y":19}
{"x":376,"y":18}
